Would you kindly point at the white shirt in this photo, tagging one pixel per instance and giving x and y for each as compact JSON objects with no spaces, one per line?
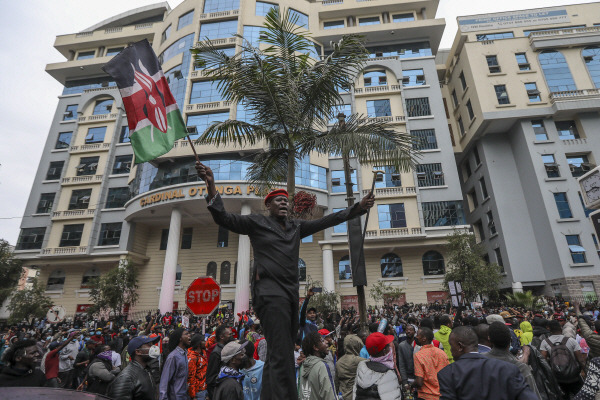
{"x":116,"y":359}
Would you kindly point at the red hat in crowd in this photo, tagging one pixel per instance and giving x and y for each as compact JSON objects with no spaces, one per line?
{"x":377,"y":341}
{"x":324,"y":332}
{"x":275,"y":193}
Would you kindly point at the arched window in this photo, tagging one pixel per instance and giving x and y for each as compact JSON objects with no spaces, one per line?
{"x":211,"y":269}
{"x":375,"y":78}
{"x":556,"y":71}
{"x":178,"y":273}
{"x":391,"y":266}
{"x":344,"y":269}
{"x":433,"y":263}
{"x":225,"y":273}
{"x":88,"y":276}
{"x":56,"y":280}
{"x":591,"y":56}
{"x":301,"y":270}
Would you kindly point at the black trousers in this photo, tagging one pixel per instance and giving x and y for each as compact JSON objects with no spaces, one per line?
{"x":279,"y":321}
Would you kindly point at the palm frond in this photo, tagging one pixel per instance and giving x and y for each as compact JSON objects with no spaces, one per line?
{"x":268,"y":169}
{"x":232,"y":131}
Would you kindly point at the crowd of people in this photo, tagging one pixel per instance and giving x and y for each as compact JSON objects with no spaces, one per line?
{"x":426,"y":352}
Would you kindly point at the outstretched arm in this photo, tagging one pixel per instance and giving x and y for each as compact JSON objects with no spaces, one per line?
{"x":305,"y":307}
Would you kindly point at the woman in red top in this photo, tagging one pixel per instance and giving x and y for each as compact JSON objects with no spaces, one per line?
{"x":197,"y":363}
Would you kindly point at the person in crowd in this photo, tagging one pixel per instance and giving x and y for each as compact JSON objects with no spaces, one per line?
{"x":527,"y":330}
{"x":315,"y":381}
{"x":134,"y":382}
{"x":591,"y":386}
{"x":540,"y":331}
{"x":592,"y":338}
{"x":443,"y":335}
{"x":82,"y":360}
{"x":253,"y":372}
{"x":568,"y":329}
{"x":66,"y":361}
{"x":174,"y":376}
{"x":197,"y":364}
{"x":428,"y":361}
{"x":115,"y":356}
{"x":330,"y":357}
{"x":484,"y":345}
{"x":377,"y":378}
{"x":229,"y":380}
{"x":345,"y":369}
{"x":19,"y":365}
{"x":100,"y":371}
{"x":307,"y":318}
{"x":473,"y":376}
{"x":405,"y":360}
{"x":516,"y":333}
{"x":499,"y":336}
{"x":51,"y":361}
{"x":223,"y":336}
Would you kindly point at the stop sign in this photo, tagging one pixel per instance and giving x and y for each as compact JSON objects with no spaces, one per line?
{"x":203,"y":296}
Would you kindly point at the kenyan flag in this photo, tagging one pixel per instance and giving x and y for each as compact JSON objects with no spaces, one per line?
{"x":154,"y":119}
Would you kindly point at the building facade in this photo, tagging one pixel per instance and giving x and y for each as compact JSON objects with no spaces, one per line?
{"x":523,"y":92}
{"x":90,"y":207}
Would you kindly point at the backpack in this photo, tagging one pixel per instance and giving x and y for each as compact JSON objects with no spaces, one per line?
{"x":562,"y":361}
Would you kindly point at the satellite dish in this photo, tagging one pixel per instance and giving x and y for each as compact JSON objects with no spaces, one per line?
{"x":56,"y":314}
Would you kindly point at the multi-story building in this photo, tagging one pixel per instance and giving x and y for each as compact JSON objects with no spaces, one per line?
{"x":523,"y":88}
{"x":89,"y":207}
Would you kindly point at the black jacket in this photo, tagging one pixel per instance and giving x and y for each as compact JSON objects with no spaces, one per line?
{"x":476,"y":377}
{"x":134,"y":383}
{"x":228,"y":389}
{"x":213,"y":368}
{"x":12,"y":377}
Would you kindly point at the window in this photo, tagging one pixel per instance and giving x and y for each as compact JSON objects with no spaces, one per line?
{"x":522,"y":62}
{"x":338,"y":181}
{"x":340,"y":228}
{"x":80,"y":199}
{"x":164,"y":239}
{"x":463,"y":81}
{"x":45,"y":204}
{"x":54,"y":170}
{"x":579,"y":164}
{"x":124,"y":136}
{"x":501,"y":94}
{"x":302,"y":19}
{"x":205,"y":92}
{"x":114,"y":51}
{"x":252,"y":34}
{"x":407,"y":17}
{"x":588,"y":291}
{"x":301,"y":270}
{"x":424,"y":139}
{"x":165,"y":35}
{"x":532,"y":92}
{"x":430,"y":175}
{"x":586,"y":211}
{"x":567,"y":130}
{"x":499,"y":257}
{"x":79,"y":85}
{"x":84,"y":55}
{"x":223,"y":237}
{"x":345,"y":109}
{"x":308,"y":174}
{"x":484,"y":190}
{"x":391,"y":266}
{"x":413,"y":77}
{"x":562,"y":204}
{"x":178,"y":275}
{"x":88,"y":278}
{"x":307,"y":239}
{"x":186,"y":238}
{"x":185,"y":20}
{"x":470,"y":110}
{"x":369,"y":21}
{"x":491,"y":224}
{"x":443,"y":213}
{"x":468,"y":168}
{"x":344,"y":269}
{"x":539,"y":129}
{"x":433,"y":263}
{"x":476,"y":156}
{"x":262,"y":8}
{"x":591,"y":56}
{"x":556,"y":71}
{"x":402,"y":50}
{"x":110,"y":234}
{"x":390,"y":178}
{"x":203,"y":121}
{"x":70,"y":113}
{"x":333,"y":24}
{"x":71,"y":235}
{"x":117,"y":197}
{"x":225,"y":276}
{"x":375,"y":78}
{"x":95,"y":135}
{"x":31,"y":238}
{"x":479,"y":232}
{"x":122,"y":164}
{"x":56,"y":280}
{"x":551,"y":166}
{"x":461,"y":127}
{"x":454,"y":99}
{"x":64,"y":140}
{"x":87,"y":166}
{"x":493,"y":66}
{"x":418,"y":107}
{"x":211,"y":6}
{"x":218,"y":30}
{"x":211,"y":269}
{"x":472,"y":197}
{"x":495,"y":36}
{"x":103,"y":107}
{"x":576,"y":250}
{"x":379,"y":108}
{"x":391,"y":216}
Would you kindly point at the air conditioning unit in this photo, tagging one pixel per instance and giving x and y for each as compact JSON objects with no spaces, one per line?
{"x":421,"y":175}
{"x":336,"y":182}
{"x":395,"y":177}
{"x":587,"y":166}
{"x":438,"y":174}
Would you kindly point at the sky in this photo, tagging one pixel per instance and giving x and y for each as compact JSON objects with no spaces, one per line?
{"x":30,"y":95}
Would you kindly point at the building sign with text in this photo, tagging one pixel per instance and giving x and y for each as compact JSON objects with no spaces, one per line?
{"x":513,"y":19}
{"x":197,"y":192}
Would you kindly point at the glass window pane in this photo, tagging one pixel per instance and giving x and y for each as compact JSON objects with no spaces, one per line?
{"x":64,"y":140}
{"x":262,"y":8}
{"x":556,"y":71}
{"x":185,"y":20}
{"x":103,"y":107}
{"x":218,"y":30}
{"x":211,"y":6}
{"x":344,"y":268}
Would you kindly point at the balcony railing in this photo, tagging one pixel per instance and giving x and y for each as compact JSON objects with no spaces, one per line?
{"x":77,"y":180}
{"x":90,"y":147}
{"x":565,"y":31}
{"x":220,"y":14}
{"x":571,"y":142}
{"x":395,"y":232}
{"x":393,"y":191}
{"x":397,"y":119}
{"x":331,"y":2}
{"x":374,"y":59}
{"x":377,"y":89}
{"x":208,"y":106}
{"x":64,"y":250}
{"x":574,"y":95}
{"x":95,"y":118}
{"x":73,"y":214}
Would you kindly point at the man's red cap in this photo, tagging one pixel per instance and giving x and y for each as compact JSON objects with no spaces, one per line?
{"x":324,"y":332}
{"x":275,"y":193}
{"x":377,"y":341}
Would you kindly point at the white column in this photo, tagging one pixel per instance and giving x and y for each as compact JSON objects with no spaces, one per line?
{"x":328,"y":275}
{"x":242,"y":284}
{"x":167,"y":288}
{"x":517,"y":287}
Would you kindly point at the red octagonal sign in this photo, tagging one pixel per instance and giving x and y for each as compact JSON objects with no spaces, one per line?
{"x":203,"y":296}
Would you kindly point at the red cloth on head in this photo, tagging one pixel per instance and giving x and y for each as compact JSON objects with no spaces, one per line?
{"x":275,"y":193}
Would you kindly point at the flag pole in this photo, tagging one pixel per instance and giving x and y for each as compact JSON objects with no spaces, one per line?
{"x":193,"y":148}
